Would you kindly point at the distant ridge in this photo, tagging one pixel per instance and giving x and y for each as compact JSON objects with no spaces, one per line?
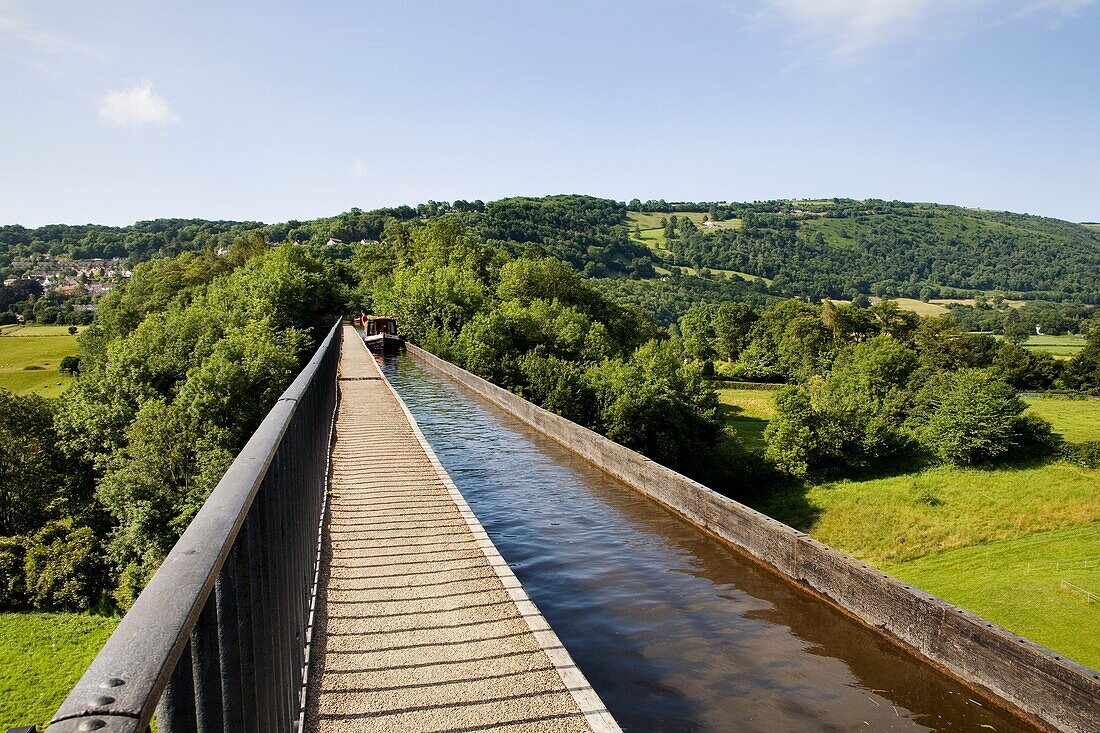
{"x":811,"y":248}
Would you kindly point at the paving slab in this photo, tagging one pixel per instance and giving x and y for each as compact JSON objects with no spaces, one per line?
{"x":420,"y":624}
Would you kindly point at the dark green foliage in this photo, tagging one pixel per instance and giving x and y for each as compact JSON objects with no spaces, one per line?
{"x":64,"y":567}
{"x":13,"y":575}
{"x":181,"y":366}
{"x":943,"y":345}
{"x":33,"y":476}
{"x":790,"y":434}
{"x":667,"y":299}
{"x":1085,"y":454}
{"x":1082,"y":372}
{"x":581,"y":230}
{"x":733,"y":324}
{"x":852,"y":417}
{"x":143,"y":240}
{"x":844,"y":247}
{"x":70,"y":364}
{"x":1025,"y":369}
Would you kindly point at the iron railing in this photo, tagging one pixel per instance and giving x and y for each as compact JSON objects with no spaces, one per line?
{"x":219,"y":639}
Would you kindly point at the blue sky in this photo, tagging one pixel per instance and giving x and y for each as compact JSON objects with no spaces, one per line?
{"x":118,"y":111}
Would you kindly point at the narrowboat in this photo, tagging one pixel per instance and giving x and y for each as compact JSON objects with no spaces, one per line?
{"x":380,"y":334}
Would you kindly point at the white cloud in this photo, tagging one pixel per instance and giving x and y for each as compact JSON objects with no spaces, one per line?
{"x":136,"y":106}
{"x":848,"y":28}
{"x":358,"y":170}
{"x":1059,"y":8}
{"x":28,"y":44}
{"x":851,"y":30}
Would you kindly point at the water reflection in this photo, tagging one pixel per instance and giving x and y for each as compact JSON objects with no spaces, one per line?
{"x":676,"y":631}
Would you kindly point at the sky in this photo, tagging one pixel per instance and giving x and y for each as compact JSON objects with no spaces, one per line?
{"x":112,"y":112}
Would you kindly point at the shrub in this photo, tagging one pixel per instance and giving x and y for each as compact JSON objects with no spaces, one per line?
{"x":13,"y":584}
{"x":1086,"y":454}
{"x":978,"y":419}
{"x":63,"y":567}
{"x":70,"y":364}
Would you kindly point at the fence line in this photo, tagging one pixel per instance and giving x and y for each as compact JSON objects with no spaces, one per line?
{"x":218,"y":639}
{"x":1090,"y":597}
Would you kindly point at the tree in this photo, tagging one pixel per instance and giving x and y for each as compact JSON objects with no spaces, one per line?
{"x":850,"y":418}
{"x":790,"y":435}
{"x":977,"y":419}
{"x":64,"y":568}
{"x":1025,"y":369}
{"x":732,"y":323}
{"x":13,"y":574}
{"x":1082,"y":372}
{"x":697,"y":331}
{"x":1015,"y":330}
{"x":70,"y":364}
{"x":32,"y":469}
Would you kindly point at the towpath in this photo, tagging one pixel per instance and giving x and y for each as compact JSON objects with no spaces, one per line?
{"x":421,"y":625}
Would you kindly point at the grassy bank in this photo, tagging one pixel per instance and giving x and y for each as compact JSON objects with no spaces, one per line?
{"x":898,"y":518}
{"x":42,"y":655}
{"x":1027,"y":585}
{"x":30,"y":356}
{"x":1009,"y":543}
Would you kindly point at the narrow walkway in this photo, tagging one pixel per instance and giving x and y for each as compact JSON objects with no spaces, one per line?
{"x":421,"y":625}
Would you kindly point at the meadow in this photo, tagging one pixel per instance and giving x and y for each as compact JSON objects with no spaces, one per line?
{"x":748,"y":411}
{"x":1075,"y":420}
{"x":1058,"y":345}
{"x":41,"y":348}
{"x":918,"y":306}
{"x":1026,"y":585}
{"x":1003,"y":542}
{"x":42,"y":655}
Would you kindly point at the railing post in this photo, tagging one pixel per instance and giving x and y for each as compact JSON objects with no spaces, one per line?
{"x":176,"y":709}
{"x":216,"y":641}
{"x":206,"y":663}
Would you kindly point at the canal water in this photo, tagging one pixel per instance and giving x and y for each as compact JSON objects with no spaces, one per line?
{"x":676,"y":631}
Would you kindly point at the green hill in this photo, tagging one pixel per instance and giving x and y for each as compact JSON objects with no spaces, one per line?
{"x":839,"y":248}
{"x":835,"y":248}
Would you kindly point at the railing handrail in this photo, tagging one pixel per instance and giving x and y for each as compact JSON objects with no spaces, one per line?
{"x":132,"y":669}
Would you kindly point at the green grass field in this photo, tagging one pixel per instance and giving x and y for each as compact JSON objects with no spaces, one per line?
{"x":1075,"y":420}
{"x":42,"y":655}
{"x":894,"y":519}
{"x":748,"y":412}
{"x":35,"y":346}
{"x":996,"y":541}
{"x":1019,"y":585}
{"x":1057,"y":345}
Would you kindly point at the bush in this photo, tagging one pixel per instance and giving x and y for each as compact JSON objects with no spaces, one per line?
{"x":63,"y":567}
{"x":978,"y":419}
{"x":1086,"y":454}
{"x":70,"y":364}
{"x":13,"y":583}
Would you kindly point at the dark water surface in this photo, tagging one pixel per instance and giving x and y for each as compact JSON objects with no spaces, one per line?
{"x":676,"y":631}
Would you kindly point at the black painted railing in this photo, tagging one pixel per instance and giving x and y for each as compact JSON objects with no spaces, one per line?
{"x":219,"y":639}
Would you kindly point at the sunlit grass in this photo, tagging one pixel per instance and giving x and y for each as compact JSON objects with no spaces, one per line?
{"x":748,"y":411}
{"x":899,"y":518}
{"x":41,"y":348}
{"x":42,"y":655}
{"x":1075,"y":420}
{"x":1018,"y":584}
